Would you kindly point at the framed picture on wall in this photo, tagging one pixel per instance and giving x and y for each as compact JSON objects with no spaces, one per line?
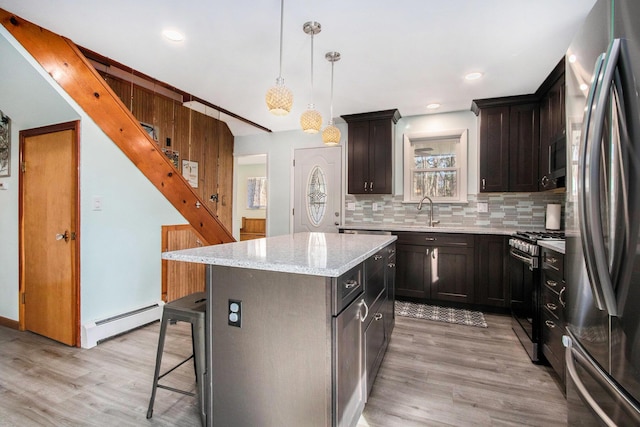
{"x":5,"y":145}
{"x":190,"y":172}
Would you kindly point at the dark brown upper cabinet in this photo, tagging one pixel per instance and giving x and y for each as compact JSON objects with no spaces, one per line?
{"x":369,"y":151}
{"x":509,"y":143}
{"x":553,"y":130}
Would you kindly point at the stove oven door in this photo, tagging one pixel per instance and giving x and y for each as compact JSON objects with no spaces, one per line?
{"x":524,"y":283}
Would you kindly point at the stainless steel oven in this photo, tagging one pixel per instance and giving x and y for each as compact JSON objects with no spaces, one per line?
{"x":524,"y":277}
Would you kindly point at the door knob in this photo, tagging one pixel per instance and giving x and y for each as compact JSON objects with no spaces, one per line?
{"x":64,"y":236}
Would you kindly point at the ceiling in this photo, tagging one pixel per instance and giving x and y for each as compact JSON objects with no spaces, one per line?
{"x":403,"y":54}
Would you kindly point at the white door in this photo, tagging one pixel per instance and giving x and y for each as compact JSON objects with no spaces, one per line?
{"x":317,"y":189}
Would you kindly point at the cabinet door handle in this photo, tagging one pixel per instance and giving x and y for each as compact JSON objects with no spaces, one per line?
{"x":552,"y":283}
{"x":430,"y":239}
{"x":366,"y":311}
{"x":365,"y":186}
{"x":350,"y":284}
{"x":377,"y":316}
{"x":484,"y":184}
{"x":391,"y":265}
{"x":371,"y":186}
{"x":427,"y":252}
{"x":544,"y":181}
{"x":377,"y":257}
{"x":550,"y":324}
{"x":551,"y":306}
{"x":561,"y":296}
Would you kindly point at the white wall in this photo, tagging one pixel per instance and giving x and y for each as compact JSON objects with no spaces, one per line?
{"x":120,"y":245}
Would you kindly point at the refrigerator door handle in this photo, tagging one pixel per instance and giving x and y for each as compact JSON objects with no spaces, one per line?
{"x":580,"y":387}
{"x":585,"y":162}
{"x":598,"y":267}
{"x":574,"y":353}
{"x":628,"y":162}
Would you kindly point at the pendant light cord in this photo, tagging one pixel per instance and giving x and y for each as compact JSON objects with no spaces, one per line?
{"x":331,"y":104}
{"x":312,"y":67}
{"x":281,"y":35}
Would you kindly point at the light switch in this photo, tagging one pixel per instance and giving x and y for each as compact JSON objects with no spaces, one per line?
{"x":351,"y":206}
{"x":374,"y":206}
{"x":483,"y":207}
{"x":96,"y":203}
{"x":4,"y":185}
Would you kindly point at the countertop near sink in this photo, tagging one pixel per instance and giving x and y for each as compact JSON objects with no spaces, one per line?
{"x":437,"y":229}
{"x":556,"y":245}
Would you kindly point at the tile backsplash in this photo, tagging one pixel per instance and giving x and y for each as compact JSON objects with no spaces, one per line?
{"x":511,"y":210}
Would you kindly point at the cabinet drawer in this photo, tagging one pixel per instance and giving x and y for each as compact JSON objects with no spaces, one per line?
{"x":374,"y":342}
{"x":553,"y":261}
{"x":436,"y":239}
{"x":551,"y":304}
{"x":346,"y":288}
{"x":552,"y":342}
{"x":374,"y":277}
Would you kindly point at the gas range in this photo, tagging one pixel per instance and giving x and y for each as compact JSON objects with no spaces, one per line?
{"x":527,"y":241}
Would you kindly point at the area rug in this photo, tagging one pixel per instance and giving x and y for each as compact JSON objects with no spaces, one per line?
{"x":440,"y":314}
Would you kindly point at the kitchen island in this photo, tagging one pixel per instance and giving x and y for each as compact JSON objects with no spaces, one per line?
{"x":297,"y":326}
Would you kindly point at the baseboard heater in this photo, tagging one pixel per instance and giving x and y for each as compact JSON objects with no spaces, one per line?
{"x":94,"y":332}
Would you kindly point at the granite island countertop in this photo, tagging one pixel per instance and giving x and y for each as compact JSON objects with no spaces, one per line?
{"x":316,"y":254}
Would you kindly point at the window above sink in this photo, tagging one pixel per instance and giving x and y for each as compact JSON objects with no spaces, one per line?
{"x":435,"y":165}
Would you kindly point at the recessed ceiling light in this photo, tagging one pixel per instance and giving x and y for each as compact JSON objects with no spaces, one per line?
{"x":473,"y":76}
{"x":173,"y":35}
{"x":584,"y":86}
{"x":433,"y":106}
{"x":572,"y":58}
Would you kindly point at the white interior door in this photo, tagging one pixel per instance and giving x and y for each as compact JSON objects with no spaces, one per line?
{"x":317,"y":189}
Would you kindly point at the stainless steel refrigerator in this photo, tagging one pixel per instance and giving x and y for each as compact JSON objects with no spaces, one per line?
{"x":602,"y":217}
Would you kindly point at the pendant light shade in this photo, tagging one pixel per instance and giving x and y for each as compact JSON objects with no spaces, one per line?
{"x":311,"y":119}
{"x":279,"y":98}
{"x":331,"y":134}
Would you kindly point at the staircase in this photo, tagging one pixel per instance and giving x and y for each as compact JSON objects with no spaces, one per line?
{"x":66,"y":64}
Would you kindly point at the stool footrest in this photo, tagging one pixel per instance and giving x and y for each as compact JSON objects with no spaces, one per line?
{"x":176,"y":367}
{"x":166,"y":387}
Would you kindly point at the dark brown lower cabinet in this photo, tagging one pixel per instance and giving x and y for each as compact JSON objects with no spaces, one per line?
{"x":460,"y":268}
{"x":435,"y":267}
{"x":553,"y":318}
{"x":492,"y":286}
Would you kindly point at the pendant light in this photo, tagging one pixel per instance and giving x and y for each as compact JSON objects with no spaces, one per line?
{"x":279,"y":98}
{"x":331,"y":134}
{"x":311,"y":120}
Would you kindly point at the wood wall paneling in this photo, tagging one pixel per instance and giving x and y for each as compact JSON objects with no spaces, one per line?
{"x":195,"y":136}
{"x":180,"y":279}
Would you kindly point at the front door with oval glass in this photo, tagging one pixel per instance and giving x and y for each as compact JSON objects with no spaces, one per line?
{"x":317,"y":188}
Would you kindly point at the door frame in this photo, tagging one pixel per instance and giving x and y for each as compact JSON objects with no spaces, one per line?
{"x":74,"y":126}
{"x":237,"y":219}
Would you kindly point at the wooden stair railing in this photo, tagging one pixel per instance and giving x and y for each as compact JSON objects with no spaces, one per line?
{"x":64,"y":62}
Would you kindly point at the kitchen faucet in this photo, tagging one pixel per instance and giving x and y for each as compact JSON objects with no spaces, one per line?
{"x":431,"y":221}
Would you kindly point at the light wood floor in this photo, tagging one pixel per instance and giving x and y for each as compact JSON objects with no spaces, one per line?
{"x":434,"y":374}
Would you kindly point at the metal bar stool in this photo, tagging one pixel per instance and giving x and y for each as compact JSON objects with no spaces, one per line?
{"x":186,"y":309}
